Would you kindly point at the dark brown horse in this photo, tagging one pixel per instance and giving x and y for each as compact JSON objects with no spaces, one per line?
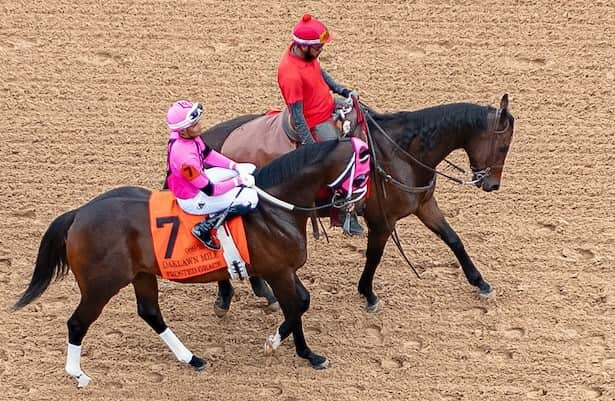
{"x":106,"y":243}
{"x":407,"y":147}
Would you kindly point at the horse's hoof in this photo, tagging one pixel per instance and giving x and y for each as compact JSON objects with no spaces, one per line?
{"x":219,"y":311}
{"x":272,"y":307}
{"x":222,"y":305}
{"x":485,"y":291}
{"x":374,"y":306}
{"x":197,"y":363}
{"x":319,"y":362}
{"x":272,"y":343}
{"x":83,"y":380}
{"x":269,"y":347}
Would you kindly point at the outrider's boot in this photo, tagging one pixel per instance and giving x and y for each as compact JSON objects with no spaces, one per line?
{"x":203,"y":231}
{"x":351,"y":224}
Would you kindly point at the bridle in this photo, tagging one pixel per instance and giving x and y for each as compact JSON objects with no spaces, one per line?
{"x":478,"y":175}
{"x":481,"y":174}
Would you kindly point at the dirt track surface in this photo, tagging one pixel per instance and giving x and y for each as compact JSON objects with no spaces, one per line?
{"x":85,"y":86}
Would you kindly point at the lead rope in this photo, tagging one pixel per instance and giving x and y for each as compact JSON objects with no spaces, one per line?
{"x":393,"y":230}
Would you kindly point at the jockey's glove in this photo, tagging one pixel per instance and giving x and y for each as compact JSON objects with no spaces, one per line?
{"x":350,"y":93}
{"x":244,"y":168}
{"x":247,"y":180}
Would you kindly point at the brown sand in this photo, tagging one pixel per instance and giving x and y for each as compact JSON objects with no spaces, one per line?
{"x":85,"y":86}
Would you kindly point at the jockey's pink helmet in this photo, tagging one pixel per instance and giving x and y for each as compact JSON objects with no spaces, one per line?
{"x":309,"y":31}
{"x":183,"y":114}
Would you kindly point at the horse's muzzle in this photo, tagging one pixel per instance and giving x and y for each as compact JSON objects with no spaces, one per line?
{"x":489,"y":183}
{"x":490,"y":187}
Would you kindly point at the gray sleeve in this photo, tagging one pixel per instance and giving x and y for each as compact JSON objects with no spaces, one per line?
{"x":334,"y":86}
{"x":299,"y":124}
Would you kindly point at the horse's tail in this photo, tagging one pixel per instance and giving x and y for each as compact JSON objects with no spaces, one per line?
{"x":51,"y":259}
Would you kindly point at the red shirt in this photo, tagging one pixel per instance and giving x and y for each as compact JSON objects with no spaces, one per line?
{"x":301,"y":80}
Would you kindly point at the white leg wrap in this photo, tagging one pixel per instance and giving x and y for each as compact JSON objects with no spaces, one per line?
{"x":73,"y":365}
{"x":276,"y":340}
{"x":181,"y":352}
{"x":273,"y":342}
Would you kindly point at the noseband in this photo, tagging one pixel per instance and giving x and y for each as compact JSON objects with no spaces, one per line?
{"x":479,"y":175}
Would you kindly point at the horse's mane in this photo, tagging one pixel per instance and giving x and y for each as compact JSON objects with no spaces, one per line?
{"x":286,"y":166}
{"x":431,"y":122}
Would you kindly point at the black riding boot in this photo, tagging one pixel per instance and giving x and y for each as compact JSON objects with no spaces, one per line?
{"x":238,"y":210}
{"x":350,"y":224}
{"x":203,"y":232}
{"x":203,"y":229}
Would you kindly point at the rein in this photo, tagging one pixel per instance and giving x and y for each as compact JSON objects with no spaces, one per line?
{"x":387,"y":178}
{"x":482,"y":174}
{"x":337,"y":201}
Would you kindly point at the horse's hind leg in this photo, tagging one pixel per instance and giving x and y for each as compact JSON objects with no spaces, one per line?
{"x":262,"y":290}
{"x":223,"y":300}
{"x":431,"y":215}
{"x":91,"y":305}
{"x":226,"y":291}
{"x":146,"y":291}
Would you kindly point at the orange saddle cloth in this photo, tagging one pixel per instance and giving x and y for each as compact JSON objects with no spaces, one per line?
{"x":259,"y":141}
{"x":178,"y":253}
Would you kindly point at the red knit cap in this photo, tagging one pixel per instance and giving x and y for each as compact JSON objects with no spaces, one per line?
{"x":310,"y":31}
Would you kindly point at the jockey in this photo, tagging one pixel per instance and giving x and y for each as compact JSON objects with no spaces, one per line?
{"x":305,"y":86}
{"x":306,"y":89}
{"x":204,"y":191}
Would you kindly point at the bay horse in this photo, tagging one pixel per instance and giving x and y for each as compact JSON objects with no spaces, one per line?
{"x":107,"y":245}
{"x":407,"y":147}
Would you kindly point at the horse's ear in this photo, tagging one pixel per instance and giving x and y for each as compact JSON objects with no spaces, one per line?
{"x":504,"y":102}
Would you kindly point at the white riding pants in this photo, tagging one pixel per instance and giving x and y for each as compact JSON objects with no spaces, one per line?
{"x":204,"y":204}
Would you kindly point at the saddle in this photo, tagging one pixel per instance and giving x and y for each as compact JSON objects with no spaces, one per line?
{"x":345,"y":117}
{"x":180,"y":255}
{"x":260,"y":140}
{"x":270,"y":136}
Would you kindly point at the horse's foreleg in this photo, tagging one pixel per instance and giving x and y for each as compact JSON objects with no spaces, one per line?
{"x":146,"y":291}
{"x":283,"y":287}
{"x":87,"y":312}
{"x":376,"y":240}
{"x":431,"y":215}
{"x":317,"y":361}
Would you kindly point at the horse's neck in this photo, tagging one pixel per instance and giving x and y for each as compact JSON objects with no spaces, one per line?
{"x":301,"y":190}
{"x":430,"y":151}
